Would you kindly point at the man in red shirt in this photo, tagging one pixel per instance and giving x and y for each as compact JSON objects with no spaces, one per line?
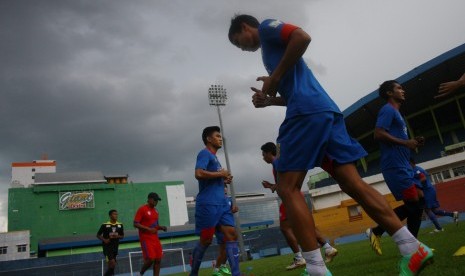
{"x":146,"y":220}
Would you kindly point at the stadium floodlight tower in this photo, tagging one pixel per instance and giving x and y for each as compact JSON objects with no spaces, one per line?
{"x":217,"y":96}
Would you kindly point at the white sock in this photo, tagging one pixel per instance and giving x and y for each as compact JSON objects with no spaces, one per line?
{"x":406,"y":242}
{"x":315,"y":263}
{"x":298,"y":255}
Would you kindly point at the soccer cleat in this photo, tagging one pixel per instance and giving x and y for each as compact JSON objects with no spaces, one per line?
{"x":296,"y":264}
{"x":412,"y":264}
{"x":437,"y":231}
{"x":456,"y":218}
{"x":225,"y":270}
{"x":305,"y":273}
{"x":374,"y":241}
{"x":330,"y":254}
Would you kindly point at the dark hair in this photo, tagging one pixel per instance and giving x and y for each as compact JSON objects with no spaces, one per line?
{"x":208,"y":131}
{"x":269,"y":147}
{"x":412,"y":160}
{"x":236,"y":24}
{"x":386,"y":87}
{"x":111,"y":212}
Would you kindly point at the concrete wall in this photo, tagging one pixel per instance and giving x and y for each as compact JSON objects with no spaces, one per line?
{"x":14,"y":242}
{"x":22,"y":174}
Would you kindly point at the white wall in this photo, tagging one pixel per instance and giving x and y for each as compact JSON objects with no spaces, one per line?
{"x":331,"y":196}
{"x":23,"y":176}
{"x":177,"y":204}
{"x":11,"y":240}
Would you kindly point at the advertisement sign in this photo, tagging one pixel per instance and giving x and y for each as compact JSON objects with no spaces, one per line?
{"x":76,"y":200}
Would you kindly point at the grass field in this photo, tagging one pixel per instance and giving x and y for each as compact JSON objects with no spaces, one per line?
{"x":357,"y":258}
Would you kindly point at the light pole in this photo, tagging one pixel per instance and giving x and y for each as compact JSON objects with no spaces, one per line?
{"x":217,"y":97}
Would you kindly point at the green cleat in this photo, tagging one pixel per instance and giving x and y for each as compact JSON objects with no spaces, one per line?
{"x":412,"y":264}
{"x":225,"y":270}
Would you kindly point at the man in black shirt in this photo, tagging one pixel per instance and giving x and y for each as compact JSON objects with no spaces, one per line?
{"x":110,"y":233}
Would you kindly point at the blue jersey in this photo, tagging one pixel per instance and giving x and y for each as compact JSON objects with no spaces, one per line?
{"x":393,"y":155}
{"x":211,"y":191}
{"x":275,"y":170}
{"x":229,"y":201}
{"x":419,"y":174}
{"x":299,"y":87}
{"x":429,"y":191}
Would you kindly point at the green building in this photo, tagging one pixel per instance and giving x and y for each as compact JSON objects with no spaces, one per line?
{"x":53,"y":210}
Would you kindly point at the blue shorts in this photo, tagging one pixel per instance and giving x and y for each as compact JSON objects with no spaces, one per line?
{"x":209,"y":216}
{"x":431,"y":201}
{"x":399,"y":180}
{"x":305,"y":140}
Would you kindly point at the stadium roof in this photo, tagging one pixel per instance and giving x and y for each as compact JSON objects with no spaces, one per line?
{"x":421,"y":85}
{"x":440,"y":121}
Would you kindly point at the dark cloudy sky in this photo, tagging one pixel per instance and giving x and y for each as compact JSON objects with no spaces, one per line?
{"x":121,"y":86}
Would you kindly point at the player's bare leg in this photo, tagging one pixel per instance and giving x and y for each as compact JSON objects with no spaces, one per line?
{"x":370,"y":199}
{"x":301,"y":220}
{"x":146,"y":265}
{"x":319,"y":237}
{"x":156,"y":267}
{"x":221,"y":259}
{"x":298,"y":260}
{"x":415,"y":255}
{"x":111,"y":267}
{"x":330,"y":252}
{"x":291,"y":240}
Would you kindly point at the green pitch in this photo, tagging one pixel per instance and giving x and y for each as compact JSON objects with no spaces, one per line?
{"x":357,"y":258}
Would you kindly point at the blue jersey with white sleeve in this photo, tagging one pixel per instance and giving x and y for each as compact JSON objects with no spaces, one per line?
{"x":211,"y":191}
{"x":303,"y":93}
{"x":393,"y":155}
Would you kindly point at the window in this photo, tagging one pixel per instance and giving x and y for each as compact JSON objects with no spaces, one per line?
{"x":437,"y":177}
{"x":21,"y":247}
{"x":33,"y":169}
{"x":355,"y":212}
{"x":446,"y":174}
{"x":33,"y":177}
{"x":3,"y":249}
{"x":459,"y":171}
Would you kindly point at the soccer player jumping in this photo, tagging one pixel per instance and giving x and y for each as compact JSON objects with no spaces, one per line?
{"x":313,"y":134}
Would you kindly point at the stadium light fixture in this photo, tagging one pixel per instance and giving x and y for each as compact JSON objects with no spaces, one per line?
{"x":217,"y":97}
